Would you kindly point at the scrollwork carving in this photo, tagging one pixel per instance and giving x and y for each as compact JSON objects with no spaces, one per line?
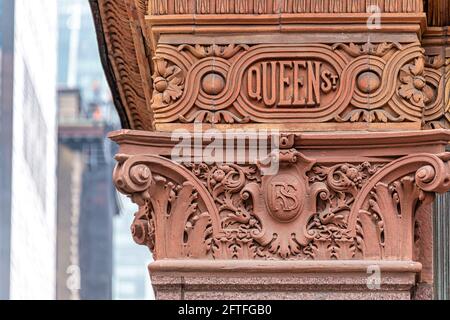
{"x":387,"y":203}
{"x":292,"y":215}
{"x":382,"y":83}
{"x":175,"y":217}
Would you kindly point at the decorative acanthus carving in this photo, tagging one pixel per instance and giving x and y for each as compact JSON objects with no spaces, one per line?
{"x":173,"y":220}
{"x":306,"y":211}
{"x":385,"y":207}
{"x":356,"y":82}
{"x":361,"y":115}
{"x":205,"y":116}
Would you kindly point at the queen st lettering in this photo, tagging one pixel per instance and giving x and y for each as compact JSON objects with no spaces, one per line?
{"x":297,"y":83}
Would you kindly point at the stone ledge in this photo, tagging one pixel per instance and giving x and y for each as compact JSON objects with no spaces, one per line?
{"x":181,"y":279}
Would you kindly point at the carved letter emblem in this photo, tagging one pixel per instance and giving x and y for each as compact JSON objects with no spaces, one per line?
{"x":284,"y":196}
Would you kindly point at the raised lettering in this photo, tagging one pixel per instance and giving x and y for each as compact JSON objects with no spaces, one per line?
{"x":254,"y":83}
{"x":272,"y":85}
{"x":298,"y":83}
{"x":314,"y":83}
{"x":284,"y":81}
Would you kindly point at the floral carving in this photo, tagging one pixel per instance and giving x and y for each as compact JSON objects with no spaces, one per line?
{"x":143,"y":227}
{"x":234,"y":244}
{"x":414,"y":87}
{"x":225,"y":183}
{"x":329,"y":226}
{"x":215,"y":73}
{"x":173,"y":207}
{"x":254,"y":228}
{"x":168,"y":83}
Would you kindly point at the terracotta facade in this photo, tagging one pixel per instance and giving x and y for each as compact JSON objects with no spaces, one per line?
{"x":350,"y":99}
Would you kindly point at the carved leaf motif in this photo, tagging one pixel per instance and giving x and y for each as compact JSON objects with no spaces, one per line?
{"x":205,"y":116}
{"x":329,"y":226}
{"x":418,"y":67}
{"x":169,"y":220}
{"x":202,"y":51}
{"x":356,"y":50}
{"x":369,"y":116}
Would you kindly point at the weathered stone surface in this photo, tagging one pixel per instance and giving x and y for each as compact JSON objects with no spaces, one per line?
{"x":274,"y":281}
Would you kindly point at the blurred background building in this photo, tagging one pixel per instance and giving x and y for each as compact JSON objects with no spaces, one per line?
{"x":93,"y":221}
{"x":86,"y":203}
{"x":64,"y":231}
{"x":28,"y":135}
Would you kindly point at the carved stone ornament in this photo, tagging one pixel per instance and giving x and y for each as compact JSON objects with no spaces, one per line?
{"x":357,"y":83}
{"x":308,"y":210}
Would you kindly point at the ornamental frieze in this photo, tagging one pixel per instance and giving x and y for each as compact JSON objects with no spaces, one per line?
{"x":315,"y":83}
